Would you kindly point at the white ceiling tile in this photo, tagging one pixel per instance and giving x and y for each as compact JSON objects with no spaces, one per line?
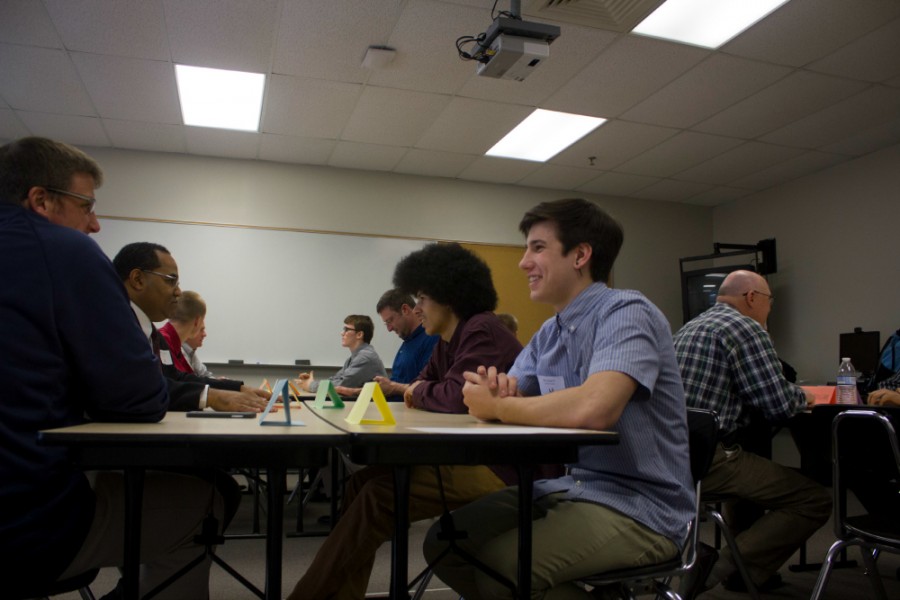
{"x":72,"y":129}
{"x":11,"y":128}
{"x":718,"y":195}
{"x":570,"y":53}
{"x":804,"y":164}
{"x":873,"y":57}
{"x":611,"y":144}
{"x":558,"y":177}
{"x":130,"y":89}
{"x":678,"y":153}
{"x":434,"y":164}
{"x":672,"y":190}
{"x":626,"y":73}
{"x":878,"y":104}
{"x":803,"y":31}
{"x":498,"y":170}
{"x":328,"y":40}
{"x":223,"y":34}
{"x":617,"y":184}
{"x":868,"y":140}
{"x":738,"y":162}
{"x":136,"y":29}
{"x":27,"y":22}
{"x":222,"y":142}
{"x":712,"y":86}
{"x":308,"y":107}
{"x":786,"y":100}
{"x":160,"y":137}
{"x":42,"y":80}
{"x":368,"y":157}
{"x":472,"y":126}
{"x":290,"y":149}
{"x":393,"y":117}
{"x":425,"y":44}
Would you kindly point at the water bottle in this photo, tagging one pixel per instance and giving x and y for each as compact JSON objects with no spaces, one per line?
{"x":846,"y":383}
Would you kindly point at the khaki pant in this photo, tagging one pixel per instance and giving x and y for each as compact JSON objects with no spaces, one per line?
{"x":571,"y":541}
{"x":173,"y":510}
{"x":344,"y":562}
{"x":796,"y":507}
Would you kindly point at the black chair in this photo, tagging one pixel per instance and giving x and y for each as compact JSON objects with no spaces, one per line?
{"x":862,"y":439}
{"x":703,"y":430}
{"x":43,"y":591}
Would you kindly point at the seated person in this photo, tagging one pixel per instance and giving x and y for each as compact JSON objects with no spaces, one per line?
{"x":185,"y":322}
{"x":511,"y":322}
{"x":729,"y":365}
{"x":605,"y":361}
{"x":886,"y":394}
{"x":189,"y":349}
{"x":455,"y":298}
{"x":71,"y":351}
{"x":150,"y":275}
{"x":396,"y":310}
{"x":363,"y":365}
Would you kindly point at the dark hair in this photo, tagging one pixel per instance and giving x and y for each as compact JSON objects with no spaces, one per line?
{"x":579,"y":221}
{"x":362,"y":323}
{"x":139,"y":255}
{"x":394,"y":299}
{"x":36,"y":161}
{"x":450,"y":275}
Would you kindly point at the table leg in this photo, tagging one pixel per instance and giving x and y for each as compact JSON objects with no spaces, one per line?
{"x":134,"y":496}
{"x":526,"y":494}
{"x":274,"y":541}
{"x":400,"y":545}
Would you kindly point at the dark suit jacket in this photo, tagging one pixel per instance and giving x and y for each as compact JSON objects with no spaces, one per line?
{"x":185,"y":388}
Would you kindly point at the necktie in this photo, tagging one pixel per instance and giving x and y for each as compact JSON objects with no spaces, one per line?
{"x":154,"y":343}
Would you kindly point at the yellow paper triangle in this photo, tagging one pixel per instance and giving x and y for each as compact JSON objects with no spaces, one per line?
{"x":371,"y":391}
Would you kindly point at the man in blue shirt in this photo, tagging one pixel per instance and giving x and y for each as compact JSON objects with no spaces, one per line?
{"x":605,"y":362}
{"x":396,"y":311}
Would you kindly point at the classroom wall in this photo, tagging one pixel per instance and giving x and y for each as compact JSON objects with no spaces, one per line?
{"x":189,"y":188}
{"x":838,"y":267}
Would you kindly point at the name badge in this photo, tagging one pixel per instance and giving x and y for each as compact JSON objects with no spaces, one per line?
{"x":165,"y":357}
{"x":550,"y":383}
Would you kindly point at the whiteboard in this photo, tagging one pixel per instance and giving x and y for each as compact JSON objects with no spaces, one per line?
{"x":274,"y":296}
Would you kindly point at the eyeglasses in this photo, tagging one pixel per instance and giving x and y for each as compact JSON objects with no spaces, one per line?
{"x":88,"y":202}
{"x":172,"y":280}
{"x":347,"y":330}
{"x":770,"y":296}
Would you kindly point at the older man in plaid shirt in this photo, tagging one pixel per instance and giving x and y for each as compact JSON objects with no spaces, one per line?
{"x":728,"y":365}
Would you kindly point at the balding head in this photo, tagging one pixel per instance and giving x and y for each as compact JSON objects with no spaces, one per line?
{"x":749,"y":293}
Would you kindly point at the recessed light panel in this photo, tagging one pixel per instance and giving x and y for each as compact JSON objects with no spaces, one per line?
{"x":220,"y":98}
{"x":543,"y":135}
{"x":706,"y":23}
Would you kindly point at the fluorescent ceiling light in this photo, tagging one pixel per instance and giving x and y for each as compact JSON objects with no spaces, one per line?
{"x":219,"y":98}
{"x":706,"y":23}
{"x":543,"y":135}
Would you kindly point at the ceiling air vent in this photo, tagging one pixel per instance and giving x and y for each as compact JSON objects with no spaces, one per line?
{"x":613,"y":15}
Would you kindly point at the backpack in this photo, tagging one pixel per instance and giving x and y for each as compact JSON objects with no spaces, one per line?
{"x":889,"y":361}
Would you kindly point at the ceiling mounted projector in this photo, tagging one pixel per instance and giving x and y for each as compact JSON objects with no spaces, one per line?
{"x":512,"y":48}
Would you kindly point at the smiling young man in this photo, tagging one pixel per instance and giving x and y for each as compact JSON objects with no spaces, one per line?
{"x":456,"y":297}
{"x":605,"y":361}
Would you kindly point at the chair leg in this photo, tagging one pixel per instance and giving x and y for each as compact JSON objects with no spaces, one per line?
{"x":423,"y":585}
{"x":827,"y":566}
{"x":872,"y":570}
{"x":86,"y":594}
{"x":735,"y":553}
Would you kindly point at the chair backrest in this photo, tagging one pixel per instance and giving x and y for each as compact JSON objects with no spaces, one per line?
{"x":47,"y":589}
{"x":703,"y":434}
{"x":864,"y":445}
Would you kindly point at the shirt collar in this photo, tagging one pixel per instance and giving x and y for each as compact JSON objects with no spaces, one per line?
{"x":583,"y":305}
{"x":143,"y":320}
{"x":415,"y":333}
